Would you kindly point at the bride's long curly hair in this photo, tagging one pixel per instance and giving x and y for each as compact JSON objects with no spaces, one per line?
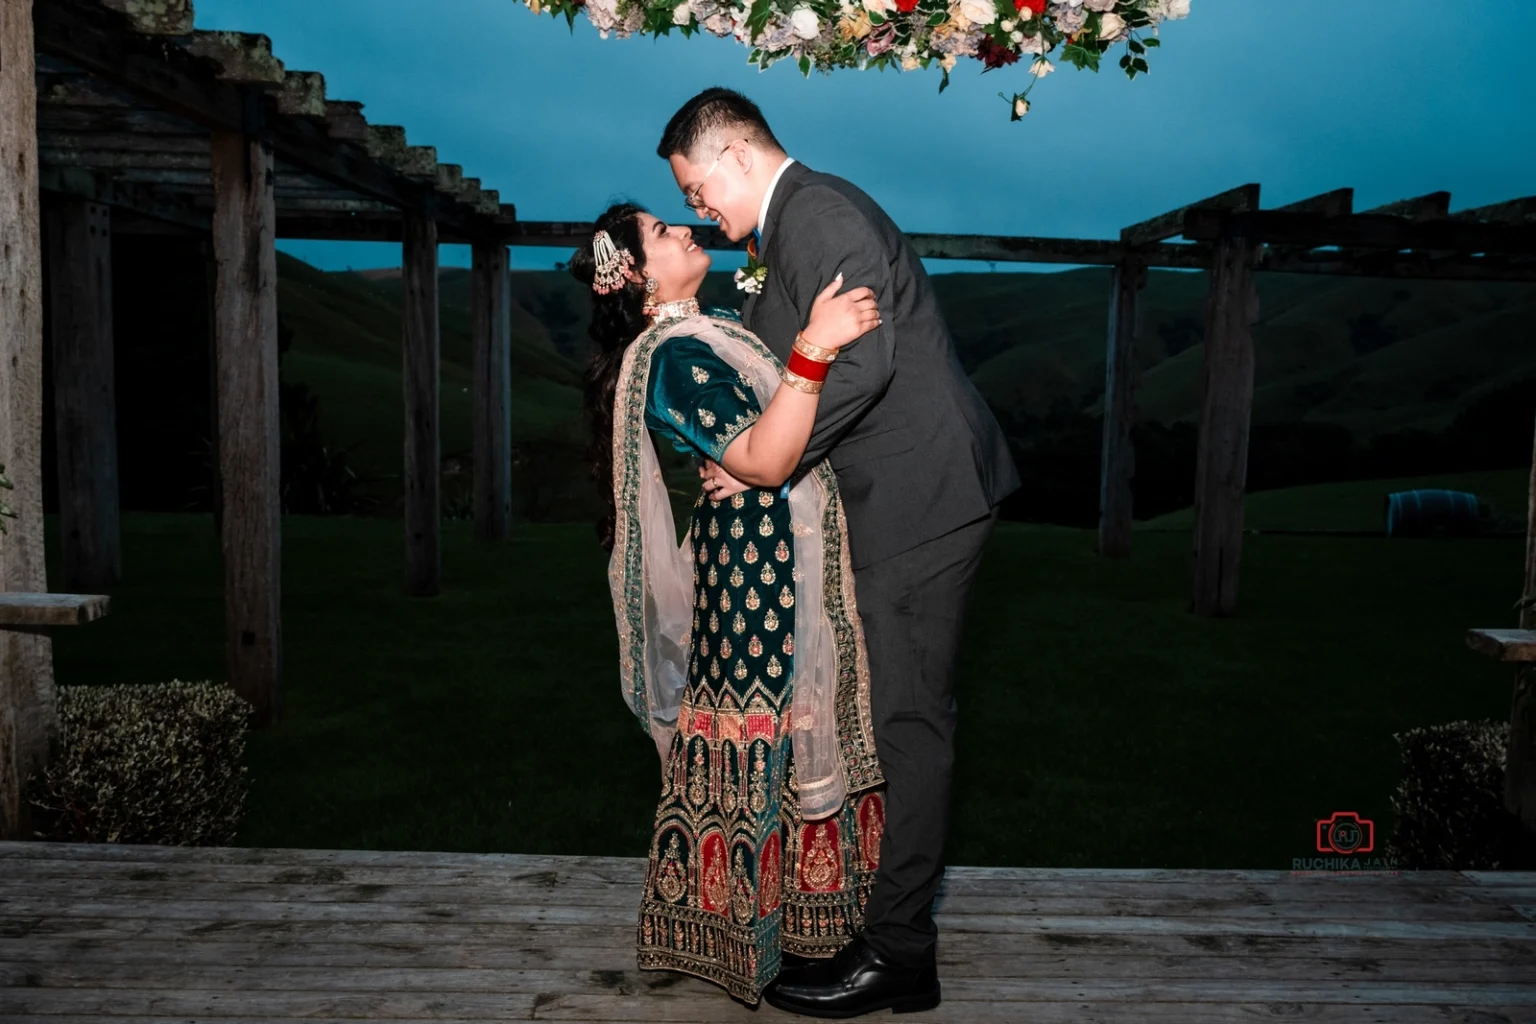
{"x":617,"y":319}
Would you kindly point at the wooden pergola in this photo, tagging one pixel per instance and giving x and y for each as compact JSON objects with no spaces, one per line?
{"x":119,"y":116}
{"x":1232,"y":239}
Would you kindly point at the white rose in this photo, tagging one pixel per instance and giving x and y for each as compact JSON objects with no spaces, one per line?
{"x":682,"y":14}
{"x":1111,"y":27}
{"x":1041,"y":67}
{"x":1020,"y":107}
{"x":804,"y":23}
{"x":1006,"y":25}
{"x":978,"y":12}
{"x":879,"y":6}
{"x":1102,"y":6}
{"x":909,"y":61}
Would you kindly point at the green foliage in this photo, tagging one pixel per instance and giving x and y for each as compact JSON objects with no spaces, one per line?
{"x":1450,"y":802}
{"x":158,"y":763}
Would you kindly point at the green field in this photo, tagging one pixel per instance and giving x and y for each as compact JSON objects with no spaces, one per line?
{"x":1101,"y":724}
{"x":1357,"y":505}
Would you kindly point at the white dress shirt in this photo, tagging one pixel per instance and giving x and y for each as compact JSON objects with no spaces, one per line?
{"x":762,"y":211}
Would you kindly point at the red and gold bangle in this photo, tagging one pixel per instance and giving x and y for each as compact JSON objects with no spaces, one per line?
{"x":810,"y":369}
{"x":819,"y":354}
{"x":799,"y":383}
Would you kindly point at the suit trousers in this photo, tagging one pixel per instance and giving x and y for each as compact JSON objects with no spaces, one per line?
{"x":913,"y":606}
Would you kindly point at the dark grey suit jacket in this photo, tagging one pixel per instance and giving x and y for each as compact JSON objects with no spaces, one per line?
{"x":916,"y":450}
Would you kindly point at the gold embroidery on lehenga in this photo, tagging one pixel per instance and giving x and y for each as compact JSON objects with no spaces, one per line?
{"x":781,"y":552}
{"x":739,"y":624}
{"x":706,"y":417}
{"x":714,"y":882}
{"x":755,"y":647}
{"x":738,"y":501}
{"x":775,"y":669}
{"x":714,"y":622}
{"x":698,"y":784}
{"x":725,"y":600}
{"x":700,"y":375}
{"x":765,"y":498}
{"x":765,"y":528}
{"x":725,"y":647}
{"x":754,"y":602}
{"x":759,"y":798}
{"x":725,"y":554}
{"x":770,"y":621}
{"x":713,"y":579}
{"x":672,"y":877}
{"x":714,"y":668}
{"x":768,"y":575}
{"x":714,"y":529}
{"x":742,"y":894}
{"x":677,"y":417}
{"x":749,"y":553}
{"x":737,"y":576}
{"x":789,"y":644}
{"x":786,"y":598}
{"x":741,"y":669}
{"x":820,"y":864}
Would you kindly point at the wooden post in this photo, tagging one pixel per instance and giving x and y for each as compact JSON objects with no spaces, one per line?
{"x":491,"y":311}
{"x":423,"y":463}
{"x":1221,"y":471}
{"x":245,"y":330}
{"x":85,"y":403}
{"x":27,"y":713}
{"x":1520,"y":756}
{"x":1117,"y":465}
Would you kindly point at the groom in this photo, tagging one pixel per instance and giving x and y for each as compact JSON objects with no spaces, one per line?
{"x":921,"y":466}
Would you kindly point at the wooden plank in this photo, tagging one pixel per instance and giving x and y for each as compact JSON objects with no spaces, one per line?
{"x":244,"y":221}
{"x":84,"y":398}
{"x":1117,"y":464}
{"x":156,"y":17}
{"x":1433,"y":206}
{"x":1171,"y":224}
{"x":1221,"y":470}
{"x":1520,"y":755}
{"x":423,"y":461}
{"x":18,"y":608}
{"x":1513,"y":211}
{"x":491,"y":339}
{"x":27,"y":712}
{"x":303,"y":95}
{"x":1338,"y":203}
{"x":1362,"y":231}
{"x":84,"y":184}
{"x":1504,"y":644}
{"x":244,"y":58}
{"x":344,"y":120}
{"x":1390,"y":264}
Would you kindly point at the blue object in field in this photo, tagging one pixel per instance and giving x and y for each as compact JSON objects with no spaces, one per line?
{"x":1428,"y":513}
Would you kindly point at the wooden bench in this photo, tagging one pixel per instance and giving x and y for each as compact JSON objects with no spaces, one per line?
{"x":18,"y":608}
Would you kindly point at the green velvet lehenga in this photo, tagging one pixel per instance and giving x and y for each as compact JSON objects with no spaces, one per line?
{"x":737,"y":873}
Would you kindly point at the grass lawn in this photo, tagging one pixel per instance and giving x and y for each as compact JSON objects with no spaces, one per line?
{"x":1101,"y":725}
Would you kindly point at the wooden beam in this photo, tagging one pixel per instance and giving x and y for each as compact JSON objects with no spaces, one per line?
{"x":1520,"y":753}
{"x":1392,"y":264}
{"x":19,"y":609}
{"x":1338,"y":203}
{"x":1433,"y":206}
{"x":84,"y":398}
{"x":1170,"y":224}
{"x":245,"y":328}
{"x":1517,"y":645}
{"x":1117,"y":464}
{"x":1515,"y":211}
{"x":89,"y":185}
{"x":156,"y":17}
{"x":244,"y":58}
{"x":1221,"y":470}
{"x":423,"y":461}
{"x":1364,"y":231}
{"x":491,"y":335}
{"x":303,"y":95}
{"x":28,"y":717}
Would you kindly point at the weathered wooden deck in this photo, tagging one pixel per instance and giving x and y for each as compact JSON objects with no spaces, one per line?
{"x":134,"y":933}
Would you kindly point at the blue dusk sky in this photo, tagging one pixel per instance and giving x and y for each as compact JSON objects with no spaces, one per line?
{"x":1395,"y":99}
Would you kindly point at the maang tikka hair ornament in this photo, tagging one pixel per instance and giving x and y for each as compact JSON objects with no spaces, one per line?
{"x":611,"y":262}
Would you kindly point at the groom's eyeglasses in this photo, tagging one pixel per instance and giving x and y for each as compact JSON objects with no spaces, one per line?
{"x":691,"y":198}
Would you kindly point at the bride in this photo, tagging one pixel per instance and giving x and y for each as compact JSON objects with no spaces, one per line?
{"x":740,"y":649}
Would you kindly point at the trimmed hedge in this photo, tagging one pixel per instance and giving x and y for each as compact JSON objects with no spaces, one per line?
{"x":1450,"y":802}
{"x":158,"y":763}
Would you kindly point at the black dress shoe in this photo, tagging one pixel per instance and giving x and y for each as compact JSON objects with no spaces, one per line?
{"x":855,"y":981}
{"x":794,"y":961}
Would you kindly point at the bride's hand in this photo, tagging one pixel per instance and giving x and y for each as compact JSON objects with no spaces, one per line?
{"x":839,"y":320}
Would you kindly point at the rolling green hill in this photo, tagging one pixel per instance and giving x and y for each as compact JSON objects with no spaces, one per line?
{"x":1373,"y":357}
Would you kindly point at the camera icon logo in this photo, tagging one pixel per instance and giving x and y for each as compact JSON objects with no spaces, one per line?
{"x":1345,"y":832}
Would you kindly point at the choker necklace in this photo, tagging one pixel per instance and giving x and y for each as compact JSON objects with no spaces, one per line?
{"x":662,"y":311}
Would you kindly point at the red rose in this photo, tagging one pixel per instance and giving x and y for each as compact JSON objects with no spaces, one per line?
{"x":906,"y":6}
{"x":1035,"y":7}
{"x":994,"y":54}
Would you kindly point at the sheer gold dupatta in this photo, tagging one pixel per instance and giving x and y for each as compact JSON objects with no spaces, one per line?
{"x":651,"y":578}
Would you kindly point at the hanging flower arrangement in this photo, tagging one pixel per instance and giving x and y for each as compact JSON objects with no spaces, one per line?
{"x":907,"y":34}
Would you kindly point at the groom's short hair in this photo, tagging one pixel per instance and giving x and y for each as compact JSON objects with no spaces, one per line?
{"x":710,"y":113}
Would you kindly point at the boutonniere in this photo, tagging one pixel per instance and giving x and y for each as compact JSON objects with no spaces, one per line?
{"x":751,"y":277}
